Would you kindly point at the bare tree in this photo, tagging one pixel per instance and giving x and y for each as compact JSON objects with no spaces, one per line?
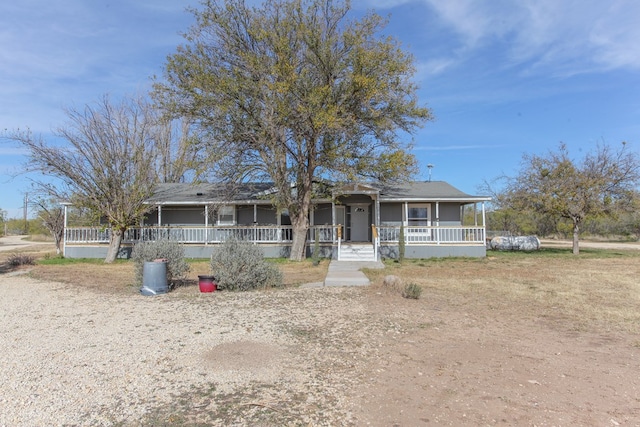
{"x":177,"y":157}
{"x":603,"y":183}
{"x":106,"y":160}
{"x":291,"y":92}
{"x":51,"y":213}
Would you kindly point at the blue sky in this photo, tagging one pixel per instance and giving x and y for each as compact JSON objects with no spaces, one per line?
{"x":503,"y":77}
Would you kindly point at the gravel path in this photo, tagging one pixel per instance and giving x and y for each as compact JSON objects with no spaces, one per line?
{"x":75,"y":357}
{"x":11,"y":243}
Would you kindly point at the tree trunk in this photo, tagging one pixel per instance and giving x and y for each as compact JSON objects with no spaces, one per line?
{"x":114,"y":245}
{"x":58,"y":240}
{"x":300,"y":225}
{"x":576,"y":232}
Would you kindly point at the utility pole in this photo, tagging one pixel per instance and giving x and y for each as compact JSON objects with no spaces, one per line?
{"x":25,"y":209}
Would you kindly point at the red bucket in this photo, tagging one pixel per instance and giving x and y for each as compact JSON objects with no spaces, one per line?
{"x":207,"y":283}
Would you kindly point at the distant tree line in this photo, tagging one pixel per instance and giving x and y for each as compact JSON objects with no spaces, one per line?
{"x":624,"y":225}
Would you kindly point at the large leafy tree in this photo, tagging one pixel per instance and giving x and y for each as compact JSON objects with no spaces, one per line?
{"x":603,"y":183}
{"x":108,"y":159}
{"x":292,"y":91}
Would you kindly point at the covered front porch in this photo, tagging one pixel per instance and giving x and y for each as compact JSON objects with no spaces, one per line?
{"x":92,"y":242}
{"x":431,"y":215}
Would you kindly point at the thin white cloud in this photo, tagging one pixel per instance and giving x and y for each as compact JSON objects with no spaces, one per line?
{"x":540,"y":36}
{"x":569,"y":36}
{"x":432,"y":67}
{"x":54,"y":54}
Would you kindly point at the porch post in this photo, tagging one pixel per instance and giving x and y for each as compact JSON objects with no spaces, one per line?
{"x":333,"y":221}
{"x":484,"y":224}
{"x":279,"y":224}
{"x":159,"y":215}
{"x":312,"y":221}
{"x":206,"y":225}
{"x":405,"y":212}
{"x":438,"y":222}
{"x":255,"y":224}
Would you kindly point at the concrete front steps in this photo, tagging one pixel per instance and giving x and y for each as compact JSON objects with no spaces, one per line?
{"x":357,"y":252}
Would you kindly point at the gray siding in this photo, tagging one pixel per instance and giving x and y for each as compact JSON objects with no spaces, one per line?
{"x":449,"y":213}
{"x":182,"y":216}
{"x":267,"y":215}
{"x":244,"y":215}
{"x":264,"y":215}
{"x":391,"y":214}
{"x":323,"y":214}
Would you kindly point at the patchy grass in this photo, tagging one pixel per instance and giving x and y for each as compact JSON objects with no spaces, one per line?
{"x":598,"y":288}
{"x":119,"y":277}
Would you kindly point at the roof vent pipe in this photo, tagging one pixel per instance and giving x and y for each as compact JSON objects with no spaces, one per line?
{"x":430,"y":166}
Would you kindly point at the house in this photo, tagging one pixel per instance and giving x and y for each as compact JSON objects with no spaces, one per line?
{"x":354,"y":221}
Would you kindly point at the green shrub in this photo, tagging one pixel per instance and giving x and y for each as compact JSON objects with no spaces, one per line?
{"x":16,"y":260}
{"x":173,"y":252}
{"x":240,"y":266}
{"x":412,"y":291}
{"x":401,"y":244}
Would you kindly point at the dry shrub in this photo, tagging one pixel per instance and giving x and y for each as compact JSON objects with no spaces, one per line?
{"x":240,"y":266}
{"x":19,"y":259}
{"x":411,"y":291}
{"x":395,"y":285}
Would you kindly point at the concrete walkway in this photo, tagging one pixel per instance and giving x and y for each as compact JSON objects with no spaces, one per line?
{"x":346,"y":273}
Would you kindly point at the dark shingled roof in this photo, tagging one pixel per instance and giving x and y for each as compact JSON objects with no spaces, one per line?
{"x":258,"y":192}
{"x":208,"y":193}
{"x":426,"y":190}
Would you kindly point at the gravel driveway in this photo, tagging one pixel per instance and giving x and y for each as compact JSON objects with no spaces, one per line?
{"x":73,"y":357}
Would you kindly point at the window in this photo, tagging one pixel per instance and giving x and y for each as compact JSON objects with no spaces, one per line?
{"x":226,"y":215}
{"x":418,"y":214}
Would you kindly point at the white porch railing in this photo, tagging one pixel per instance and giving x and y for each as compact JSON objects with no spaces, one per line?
{"x":275,"y":234}
{"x":433,"y":235}
{"x":198,"y":234}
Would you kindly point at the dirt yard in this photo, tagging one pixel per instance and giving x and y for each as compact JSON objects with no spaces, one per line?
{"x":515,"y":339}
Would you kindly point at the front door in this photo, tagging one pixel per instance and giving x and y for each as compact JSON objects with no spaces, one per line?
{"x":360,"y":223}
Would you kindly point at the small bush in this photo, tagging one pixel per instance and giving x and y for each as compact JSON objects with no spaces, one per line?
{"x":412,"y":291}
{"x":240,"y":266}
{"x":16,"y":260}
{"x":173,"y":252}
